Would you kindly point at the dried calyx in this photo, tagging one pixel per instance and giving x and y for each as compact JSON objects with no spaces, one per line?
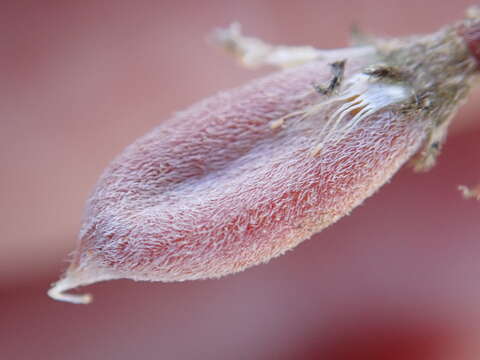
{"x":440,"y":70}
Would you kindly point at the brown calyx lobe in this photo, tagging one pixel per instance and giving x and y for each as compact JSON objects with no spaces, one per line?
{"x":471,"y":34}
{"x":440,"y":69}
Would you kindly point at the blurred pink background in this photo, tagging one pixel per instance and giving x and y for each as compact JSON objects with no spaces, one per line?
{"x":398,"y":279}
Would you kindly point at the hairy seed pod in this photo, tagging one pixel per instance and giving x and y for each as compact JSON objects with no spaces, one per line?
{"x":249,"y":173}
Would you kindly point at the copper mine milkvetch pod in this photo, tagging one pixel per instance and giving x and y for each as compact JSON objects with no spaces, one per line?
{"x":247,"y":174}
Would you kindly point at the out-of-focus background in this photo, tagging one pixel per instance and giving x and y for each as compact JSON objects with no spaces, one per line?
{"x":80,"y":80}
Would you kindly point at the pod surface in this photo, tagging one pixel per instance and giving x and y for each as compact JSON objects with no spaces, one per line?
{"x":217,"y":188}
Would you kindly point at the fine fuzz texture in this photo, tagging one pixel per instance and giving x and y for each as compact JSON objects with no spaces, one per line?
{"x":216,"y":189}
{"x":248,"y":174}
{"x":207,"y":195}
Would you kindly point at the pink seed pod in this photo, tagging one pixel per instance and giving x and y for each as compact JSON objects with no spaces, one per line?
{"x":249,"y":173}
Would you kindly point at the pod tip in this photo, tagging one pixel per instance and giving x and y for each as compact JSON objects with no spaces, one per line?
{"x":58,"y":292}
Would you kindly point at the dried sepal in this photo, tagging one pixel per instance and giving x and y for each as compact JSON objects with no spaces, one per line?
{"x":470,"y":192}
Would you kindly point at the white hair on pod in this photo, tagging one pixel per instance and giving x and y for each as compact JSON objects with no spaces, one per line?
{"x":361,"y":97}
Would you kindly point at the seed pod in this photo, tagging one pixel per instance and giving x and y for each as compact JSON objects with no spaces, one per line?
{"x":248,"y":174}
